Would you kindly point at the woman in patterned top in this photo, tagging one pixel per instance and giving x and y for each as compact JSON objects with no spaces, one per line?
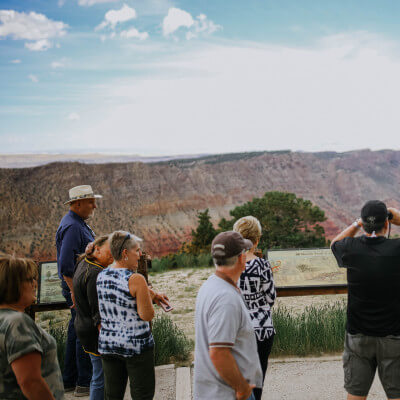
{"x":28,"y":354}
{"x":257,"y":286}
{"x":125,"y":341}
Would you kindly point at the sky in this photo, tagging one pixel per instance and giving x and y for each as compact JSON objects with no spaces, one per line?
{"x":166,"y":77}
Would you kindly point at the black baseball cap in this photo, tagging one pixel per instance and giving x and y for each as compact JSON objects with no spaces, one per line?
{"x":229,"y":244}
{"x":374,"y":212}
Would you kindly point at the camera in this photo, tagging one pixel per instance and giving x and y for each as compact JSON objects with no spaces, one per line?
{"x":144,"y":265}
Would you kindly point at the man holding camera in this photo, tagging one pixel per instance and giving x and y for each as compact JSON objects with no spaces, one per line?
{"x":373,"y":310}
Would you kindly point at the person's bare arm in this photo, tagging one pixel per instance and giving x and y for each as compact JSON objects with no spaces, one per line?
{"x":68,"y":281}
{"x":350,"y":231}
{"x":138,"y":288}
{"x":396,"y":216}
{"x":228,"y":370}
{"x":28,"y":373}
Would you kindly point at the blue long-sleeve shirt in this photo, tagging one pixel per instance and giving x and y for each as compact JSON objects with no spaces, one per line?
{"x":72,"y":237}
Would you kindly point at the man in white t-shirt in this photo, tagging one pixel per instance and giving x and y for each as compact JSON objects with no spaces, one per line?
{"x":226,"y":364}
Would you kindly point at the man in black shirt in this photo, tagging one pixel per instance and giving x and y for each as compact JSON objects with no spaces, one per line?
{"x":373,"y":309}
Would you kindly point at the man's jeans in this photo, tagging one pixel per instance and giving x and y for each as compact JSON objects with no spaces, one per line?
{"x":97,"y":382}
{"x":77,"y":365}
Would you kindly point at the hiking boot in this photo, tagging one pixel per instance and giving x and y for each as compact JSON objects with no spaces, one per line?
{"x":81,"y":391}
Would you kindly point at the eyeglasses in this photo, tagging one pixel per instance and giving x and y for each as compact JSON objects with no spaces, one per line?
{"x":128,"y":236}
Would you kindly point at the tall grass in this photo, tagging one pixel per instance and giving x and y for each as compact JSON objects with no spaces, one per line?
{"x":171,"y":344}
{"x":59,"y":332}
{"x":314,"y":331}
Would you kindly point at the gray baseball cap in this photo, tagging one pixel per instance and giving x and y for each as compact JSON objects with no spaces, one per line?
{"x":229,"y":244}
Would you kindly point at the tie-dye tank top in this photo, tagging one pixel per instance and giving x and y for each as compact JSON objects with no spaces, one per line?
{"x":122,"y":331}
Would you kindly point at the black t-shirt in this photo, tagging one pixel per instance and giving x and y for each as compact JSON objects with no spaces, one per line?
{"x":373,"y":276}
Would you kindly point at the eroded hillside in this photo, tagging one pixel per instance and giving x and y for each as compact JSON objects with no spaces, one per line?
{"x":159,"y":201}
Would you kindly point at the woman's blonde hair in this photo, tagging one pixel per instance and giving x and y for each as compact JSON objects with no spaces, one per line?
{"x":14,"y":272}
{"x":119,"y":241}
{"x":249,"y":227}
{"x":90,"y":249}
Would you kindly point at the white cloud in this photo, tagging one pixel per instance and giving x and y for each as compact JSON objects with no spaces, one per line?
{"x":114,"y":17}
{"x":177,"y":18}
{"x":39,"y":45}
{"x":93,"y":2}
{"x":57,"y":64}
{"x":203,"y":25}
{"x":74,"y":116}
{"x":35,"y":27}
{"x":33,"y":78}
{"x":16,"y":61}
{"x":246,"y":96}
{"x":134,"y":33}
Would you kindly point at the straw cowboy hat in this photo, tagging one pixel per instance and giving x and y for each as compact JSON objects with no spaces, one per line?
{"x":82,"y":192}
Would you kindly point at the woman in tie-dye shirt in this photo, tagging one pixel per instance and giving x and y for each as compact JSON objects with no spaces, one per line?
{"x":125,"y":303}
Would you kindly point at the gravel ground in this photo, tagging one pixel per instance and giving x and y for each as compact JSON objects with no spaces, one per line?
{"x":287,"y":379}
{"x":310,"y":379}
{"x":182,"y":286}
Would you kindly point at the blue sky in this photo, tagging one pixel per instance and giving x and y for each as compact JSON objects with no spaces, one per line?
{"x":156,"y":77}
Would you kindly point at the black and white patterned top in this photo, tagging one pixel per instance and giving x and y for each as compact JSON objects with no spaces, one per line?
{"x":257,"y":286}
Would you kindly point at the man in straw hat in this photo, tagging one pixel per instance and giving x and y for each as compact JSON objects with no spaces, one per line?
{"x":72,"y":237}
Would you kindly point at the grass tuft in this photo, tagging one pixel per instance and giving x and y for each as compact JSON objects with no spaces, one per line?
{"x":315,"y":331}
{"x":171,"y":344}
{"x":59,"y":332}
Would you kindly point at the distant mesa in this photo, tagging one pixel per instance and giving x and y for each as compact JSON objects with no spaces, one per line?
{"x":158,"y":199}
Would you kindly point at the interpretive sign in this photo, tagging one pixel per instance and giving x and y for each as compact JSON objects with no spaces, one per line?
{"x":49,"y":287}
{"x":300,"y":267}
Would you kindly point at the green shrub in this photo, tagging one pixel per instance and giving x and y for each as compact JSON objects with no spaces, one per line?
{"x":171,"y":344}
{"x":181,"y":260}
{"x":204,"y":260}
{"x":315,"y":331}
{"x":159,"y":265}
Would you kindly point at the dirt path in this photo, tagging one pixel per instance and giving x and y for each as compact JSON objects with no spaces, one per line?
{"x":165,"y":385}
{"x":310,"y":379}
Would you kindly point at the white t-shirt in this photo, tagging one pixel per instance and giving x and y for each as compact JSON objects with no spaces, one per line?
{"x":222,"y":320}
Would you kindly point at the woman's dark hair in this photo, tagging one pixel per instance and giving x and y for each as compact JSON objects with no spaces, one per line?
{"x":91,"y":247}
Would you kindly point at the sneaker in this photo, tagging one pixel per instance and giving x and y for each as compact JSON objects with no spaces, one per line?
{"x":81,"y":391}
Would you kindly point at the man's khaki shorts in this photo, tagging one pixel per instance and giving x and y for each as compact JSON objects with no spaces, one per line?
{"x":363,"y":355}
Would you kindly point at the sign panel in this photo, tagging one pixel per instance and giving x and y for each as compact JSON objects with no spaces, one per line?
{"x":300,"y":267}
{"x":49,"y":288}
